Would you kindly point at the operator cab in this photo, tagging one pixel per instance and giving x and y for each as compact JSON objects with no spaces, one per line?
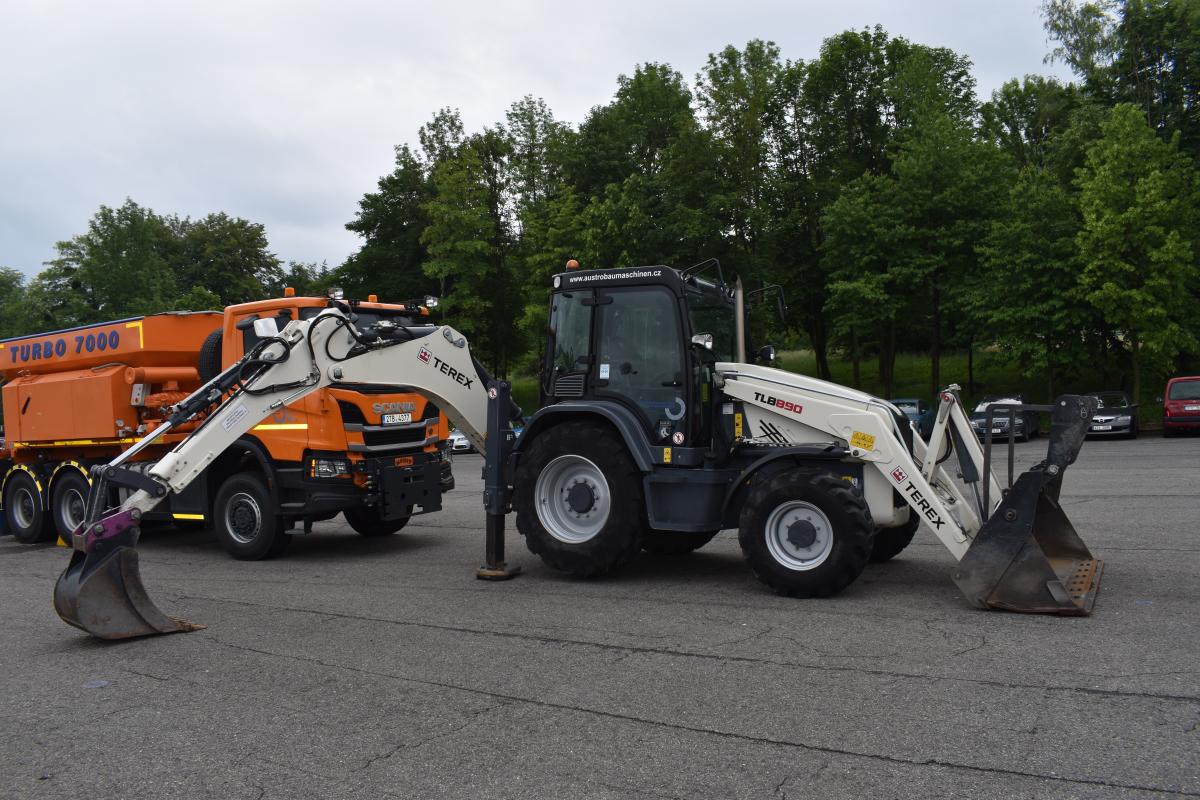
{"x":646,"y":338}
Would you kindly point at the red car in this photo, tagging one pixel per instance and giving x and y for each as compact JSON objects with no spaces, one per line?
{"x":1181,"y":405}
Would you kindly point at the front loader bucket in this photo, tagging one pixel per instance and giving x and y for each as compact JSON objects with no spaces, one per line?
{"x":1027,"y":557}
{"x":101,"y":592}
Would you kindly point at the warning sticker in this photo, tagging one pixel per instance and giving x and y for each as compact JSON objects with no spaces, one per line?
{"x":235,"y":416}
{"x":737,"y":426}
{"x":863,"y":441}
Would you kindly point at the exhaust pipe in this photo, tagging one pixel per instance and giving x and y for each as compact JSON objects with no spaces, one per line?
{"x":1028,"y":557}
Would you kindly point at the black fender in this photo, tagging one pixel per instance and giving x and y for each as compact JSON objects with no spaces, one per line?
{"x":617,"y":415}
{"x":775,"y":459}
{"x":227,"y":463}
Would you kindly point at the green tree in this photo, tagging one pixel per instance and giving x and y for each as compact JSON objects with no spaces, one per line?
{"x":391,"y":220}
{"x":121,"y":266}
{"x":14,"y":306}
{"x":467,"y":254}
{"x":227,"y":256}
{"x":1137,"y":198}
{"x":1023,"y":295}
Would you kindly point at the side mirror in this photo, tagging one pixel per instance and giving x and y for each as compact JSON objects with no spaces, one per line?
{"x":767,"y":354}
{"x":703,"y":339}
{"x":266,"y":328}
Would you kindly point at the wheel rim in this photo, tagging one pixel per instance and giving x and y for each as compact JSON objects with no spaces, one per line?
{"x":74,"y":506}
{"x":573,"y":499}
{"x":24,"y":507}
{"x":799,"y":535}
{"x":243,"y":518}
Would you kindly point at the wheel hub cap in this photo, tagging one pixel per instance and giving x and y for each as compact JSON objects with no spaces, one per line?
{"x":573,"y":499}
{"x":799,"y":535}
{"x":581,"y":498}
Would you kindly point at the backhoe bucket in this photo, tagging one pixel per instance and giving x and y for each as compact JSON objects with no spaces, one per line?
{"x":1027,"y":557}
{"x":101,"y":590}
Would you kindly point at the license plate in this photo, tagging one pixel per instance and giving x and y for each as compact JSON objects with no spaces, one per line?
{"x":396,"y":419}
{"x":1191,"y":408}
{"x":998,"y":430}
{"x":1102,"y":427}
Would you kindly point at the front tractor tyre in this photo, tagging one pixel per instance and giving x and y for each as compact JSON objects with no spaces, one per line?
{"x":245,"y":520}
{"x":890,"y":541}
{"x":806,"y":534}
{"x":579,"y":499}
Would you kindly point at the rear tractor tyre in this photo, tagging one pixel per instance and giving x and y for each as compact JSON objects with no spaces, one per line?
{"x":367,"y":522}
{"x":27,"y":520}
{"x":579,"y":500}
{"x":890,"y":541}
{"x":245,"y":520}
{"x":806,"y":534}
{"x":675,"y":543}
{"x":68,"y":502}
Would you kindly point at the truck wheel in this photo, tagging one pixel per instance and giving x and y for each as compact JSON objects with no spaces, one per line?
{"x":579,"y":500}
{"x":366,"y":522}
{"x":209,"y":362}
{"x":675,"y":543}
{"x":68,"y":502}
{"x":806,"y":534}
{"x":890,"y":541}
{"x":27,"y":521}
{"x":245,"y":519}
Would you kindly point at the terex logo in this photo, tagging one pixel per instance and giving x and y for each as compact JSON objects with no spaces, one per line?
{"x":786,"y":405}
{"x":924,"y":507}
{"x":424,"y":355}
{"x":900,"y":475}
{"x":452,"y":372}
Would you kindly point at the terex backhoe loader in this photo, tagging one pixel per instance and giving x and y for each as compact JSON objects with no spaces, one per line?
{"x":654,"y":434}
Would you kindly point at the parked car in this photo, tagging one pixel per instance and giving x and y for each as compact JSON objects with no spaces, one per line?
{"x":912,"y":407}
{"x":1115,"y":415}
{"x":1181,"y":405}
{"x":1026,"y":424}
{"x":459,"y":443}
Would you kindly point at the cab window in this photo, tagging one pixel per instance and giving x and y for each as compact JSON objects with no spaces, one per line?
{"x":640,"y":355}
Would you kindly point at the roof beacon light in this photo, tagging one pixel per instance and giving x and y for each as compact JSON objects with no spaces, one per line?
{"x":572,"y":264}
{"x":431,"y":301}
{"x":289,"y":291}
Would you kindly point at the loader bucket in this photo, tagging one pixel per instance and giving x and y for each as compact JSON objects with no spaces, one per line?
{"x":1027,"y":556}
{"x":101,"y":590}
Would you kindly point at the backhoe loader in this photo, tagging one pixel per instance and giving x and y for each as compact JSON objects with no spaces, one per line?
{"x":654,"y":433}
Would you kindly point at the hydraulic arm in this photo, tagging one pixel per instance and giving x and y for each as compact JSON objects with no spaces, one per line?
{"x":101,"y":590}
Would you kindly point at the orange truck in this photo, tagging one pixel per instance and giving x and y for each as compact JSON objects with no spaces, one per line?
{"x":76,"y":398}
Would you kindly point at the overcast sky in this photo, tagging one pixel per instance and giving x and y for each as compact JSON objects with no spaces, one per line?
{"x":285,"y":113}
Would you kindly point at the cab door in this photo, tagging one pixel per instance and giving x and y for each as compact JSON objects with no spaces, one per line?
{"x":640,"y":359}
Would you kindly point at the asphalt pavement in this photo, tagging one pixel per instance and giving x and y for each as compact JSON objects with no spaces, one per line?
{"x":365,"y":668}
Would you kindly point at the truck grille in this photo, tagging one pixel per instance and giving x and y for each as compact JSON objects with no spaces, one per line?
{"x":386,"y":438}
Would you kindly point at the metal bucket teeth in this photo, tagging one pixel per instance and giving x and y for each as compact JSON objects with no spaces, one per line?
{"x":101,"y":592}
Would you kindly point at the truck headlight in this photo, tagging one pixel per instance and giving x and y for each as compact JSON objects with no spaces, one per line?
{"x":329,"y":468}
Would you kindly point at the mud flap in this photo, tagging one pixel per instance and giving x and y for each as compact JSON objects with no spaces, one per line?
{"x":101,"y":590}
{"x":1028,"y":557}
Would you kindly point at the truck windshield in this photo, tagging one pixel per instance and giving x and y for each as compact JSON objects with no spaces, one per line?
{"x":713,"y":314}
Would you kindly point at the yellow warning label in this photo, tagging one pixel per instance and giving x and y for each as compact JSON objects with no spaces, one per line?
{"x":737,"y":425}
{"x":666,"y":455}
{"x":863,"y":441}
